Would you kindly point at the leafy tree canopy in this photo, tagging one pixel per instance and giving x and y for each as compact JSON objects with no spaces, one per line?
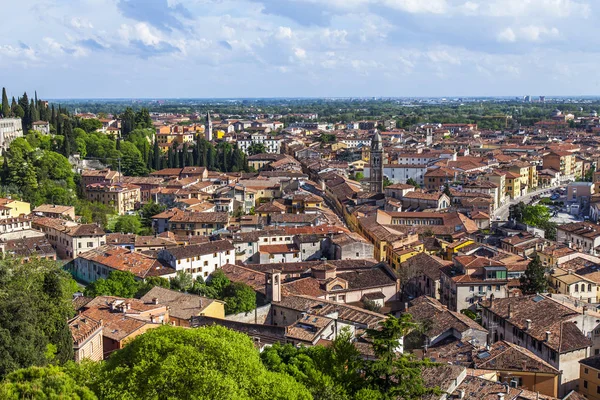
{"x":205,"y":363}
{"x":118,"y":283}
{"x":35,"y":307}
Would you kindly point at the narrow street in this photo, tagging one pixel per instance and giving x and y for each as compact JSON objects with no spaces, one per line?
{"x":502,"y":212}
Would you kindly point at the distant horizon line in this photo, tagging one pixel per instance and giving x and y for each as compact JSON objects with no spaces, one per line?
{"x":454,"y":97}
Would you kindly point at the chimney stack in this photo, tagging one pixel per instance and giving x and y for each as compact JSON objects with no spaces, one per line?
{"x":509,"y":311}
{"x":548,"y":333}
{"x":528,"y":324}
{"x":155,"y":300}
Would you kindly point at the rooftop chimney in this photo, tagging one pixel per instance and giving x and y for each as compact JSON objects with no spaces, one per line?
{"x":528,"y":324}
{"x":155,"y":300}
{"x":500,"y":396}
{"x":548,"y":333}
{"x":509,"y":311}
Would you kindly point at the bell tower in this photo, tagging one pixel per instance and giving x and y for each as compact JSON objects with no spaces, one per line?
{"x":376,"y":178}
{"x":208,"y":128}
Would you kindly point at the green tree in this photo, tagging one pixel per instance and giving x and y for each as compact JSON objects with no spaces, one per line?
{"x":219,"y":282}
{"x":132,"y":162}
{"x":118,"y":283}
{"x":50,"y":382}
{"x":5,"y":106}
{"x":182,"y":281}
{"x":257,"y":148}
{"x":127,"y":122}
{"x":151,"y":282}
{"x":207,"y":363}
{"x":411,"y":181}
{"x":89,"y":125}
{"x":143,"y":120}
{"x":128,"y":224}
{"x":359,"y":176}
{"x":149,"y":210}
{"x":35,"y":307}
{"x":238,"y":298}
{"x":534,"y":279}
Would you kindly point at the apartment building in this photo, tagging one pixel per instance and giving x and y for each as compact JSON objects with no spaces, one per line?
{"x":563,"y":162}
{"x":10,"y":129}
{"x":123,"y":197}
{"x":70,"y":238}
{"x":583,"y":236}
{"x":199,"y":260}
{"x":555,"y":332}
{"x":197,"y":223}
{"x":471,"y":280}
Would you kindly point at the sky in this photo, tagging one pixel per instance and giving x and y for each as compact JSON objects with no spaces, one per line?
{"x":299,"y":48}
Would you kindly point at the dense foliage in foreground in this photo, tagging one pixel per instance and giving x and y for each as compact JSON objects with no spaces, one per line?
{"x":217,"y":363}
{"x":35,"y":304}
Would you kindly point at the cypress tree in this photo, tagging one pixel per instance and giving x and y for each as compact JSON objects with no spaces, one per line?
{"x":534,"y":279}
{"x":170,"y":157}
{"x":68,"y":134}
{"x":5,"y":106}
{"x":5,"y":171}
{"x":183,"y":156}
{"x":175,"y":156}
{"x":53,"y":120}
{"x":24,"y":103}
{"x":156,"y":154}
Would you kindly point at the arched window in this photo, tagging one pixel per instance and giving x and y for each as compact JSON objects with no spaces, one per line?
{"x":337,"y":287}
{"x":583,"y":287}
{"x":589,"y":287}
{"x":577,"y":288}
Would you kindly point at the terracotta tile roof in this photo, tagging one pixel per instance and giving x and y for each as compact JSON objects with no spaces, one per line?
{"x":119,"y":258}
{"x":506,"y":356}
{"x":82,"y":327}
{"x":476,"y":388}
{"x":194,"y":250}
{"x":324,"y":307}
{"x":200,"y":217}
{"x":439,"y":318}
{"x":294,"y":218}
{"x":29,"y":247}
{"x":167,"y":172}
{"x":546,"y":315}
{"x":53,"y":209}
{"x":279,"y":249}
{"x":118,"y":325}
{"x":181,"y":305}
{"x":252,"y":278}
{"x":69,"y":228}
{"x":304,"y":286}
{"x":308,"y":328}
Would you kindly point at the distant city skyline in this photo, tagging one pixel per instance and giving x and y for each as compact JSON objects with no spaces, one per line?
{"x":163,"y":49}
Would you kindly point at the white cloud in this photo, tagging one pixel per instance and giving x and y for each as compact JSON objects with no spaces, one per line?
{"x":534,"y":33}
{"x":418,"y":6}
{"x":530,"y":33}
{"x":507,"y":35}
{"x":443,"y":57}
{"x":140,"y":31}
{"x":529,"y":8}
{"x":300,"y":53}
{"x":283,"y":32}
{"x":81,"y":23}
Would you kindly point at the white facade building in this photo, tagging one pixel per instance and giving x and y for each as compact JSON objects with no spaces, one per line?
{"x":272,"y":145}
{"x":10,"y":129}
{"x":400,"y":173}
